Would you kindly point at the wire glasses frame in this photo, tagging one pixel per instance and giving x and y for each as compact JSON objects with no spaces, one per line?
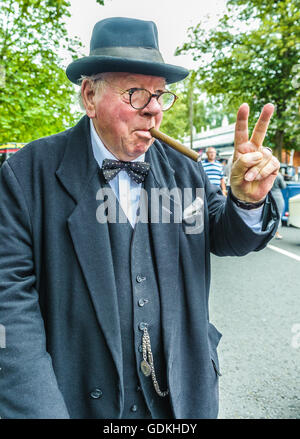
{"x":139,"y":98}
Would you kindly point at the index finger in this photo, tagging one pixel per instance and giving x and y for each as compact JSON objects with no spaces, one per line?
{"x":261,"y":126}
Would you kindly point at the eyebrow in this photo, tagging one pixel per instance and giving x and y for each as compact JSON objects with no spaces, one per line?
{"x":158,"y":91}
{"x":132,"y":78}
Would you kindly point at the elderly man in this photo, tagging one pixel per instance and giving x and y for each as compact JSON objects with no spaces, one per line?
{"x":214,"y":169}
{"x":109,"y":319}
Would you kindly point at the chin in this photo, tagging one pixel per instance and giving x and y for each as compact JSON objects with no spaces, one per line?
{"x":138,"y":150}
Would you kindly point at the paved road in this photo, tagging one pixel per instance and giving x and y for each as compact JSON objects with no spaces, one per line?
{"x":255,"y":303}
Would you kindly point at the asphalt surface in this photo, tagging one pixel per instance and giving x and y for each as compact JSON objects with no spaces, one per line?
{"x":255,"y":304}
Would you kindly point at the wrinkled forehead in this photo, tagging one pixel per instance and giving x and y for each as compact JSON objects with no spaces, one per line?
{"x":129,"y":80}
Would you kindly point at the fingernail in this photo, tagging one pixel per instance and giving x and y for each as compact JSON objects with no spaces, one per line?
{"x":269,"y":104}
{"x":257,"y":156}
{"x":249,"y":176}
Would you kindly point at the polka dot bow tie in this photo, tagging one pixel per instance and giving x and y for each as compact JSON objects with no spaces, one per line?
{"x":138,"y":171}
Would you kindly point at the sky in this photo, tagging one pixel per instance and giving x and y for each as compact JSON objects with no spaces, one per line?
{"x":172,"y":17}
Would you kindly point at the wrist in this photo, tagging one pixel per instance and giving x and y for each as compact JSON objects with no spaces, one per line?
{"x":245,"y":204}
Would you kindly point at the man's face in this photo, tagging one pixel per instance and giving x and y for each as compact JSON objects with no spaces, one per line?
{"x":124,"y":130}
{"x":211,"y":154}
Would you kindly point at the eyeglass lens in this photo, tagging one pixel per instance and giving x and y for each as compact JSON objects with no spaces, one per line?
{"x":141,"y":98}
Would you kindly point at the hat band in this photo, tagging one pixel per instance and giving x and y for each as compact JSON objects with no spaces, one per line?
{"x":138,"y":53}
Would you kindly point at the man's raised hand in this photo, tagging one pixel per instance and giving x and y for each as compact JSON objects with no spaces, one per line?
{"x":254,"y":167}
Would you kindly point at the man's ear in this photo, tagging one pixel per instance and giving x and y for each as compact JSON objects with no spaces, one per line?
{"x":87,"y":95}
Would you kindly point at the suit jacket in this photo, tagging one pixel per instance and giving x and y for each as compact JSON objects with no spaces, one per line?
{"x":58,"y":298}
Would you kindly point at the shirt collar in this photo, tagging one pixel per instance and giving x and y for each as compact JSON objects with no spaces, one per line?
{"x":100,"y":151}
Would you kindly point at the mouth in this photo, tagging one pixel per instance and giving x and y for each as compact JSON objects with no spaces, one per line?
{"x":143,"y":133}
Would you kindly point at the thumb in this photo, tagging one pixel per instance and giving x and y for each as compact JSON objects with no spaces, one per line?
{"x":246,"y":161}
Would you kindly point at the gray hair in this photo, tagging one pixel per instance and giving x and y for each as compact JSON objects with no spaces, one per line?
{"x":97,"y":83}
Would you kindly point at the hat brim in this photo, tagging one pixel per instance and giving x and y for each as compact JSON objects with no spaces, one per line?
{"x":91,"y":65}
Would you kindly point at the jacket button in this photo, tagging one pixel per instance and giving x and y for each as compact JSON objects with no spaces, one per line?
{"x":140,"y":278}
{"x":134,"y":408}
{"x":96,"y":394}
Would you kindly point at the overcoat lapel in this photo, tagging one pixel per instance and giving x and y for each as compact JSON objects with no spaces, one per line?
{"x":165,"y":238}
{"x":79,"y":174}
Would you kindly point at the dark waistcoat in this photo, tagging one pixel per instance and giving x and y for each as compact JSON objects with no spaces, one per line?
{"x":139,"y":303}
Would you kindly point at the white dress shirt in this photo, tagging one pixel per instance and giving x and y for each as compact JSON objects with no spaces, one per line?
{"x":125,"y":189}
{"x":128,"y":191}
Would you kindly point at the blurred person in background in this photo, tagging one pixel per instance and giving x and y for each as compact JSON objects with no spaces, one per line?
{"x":279,"y":184}
{"x":227,"y":171}
{"x":214,"y":169}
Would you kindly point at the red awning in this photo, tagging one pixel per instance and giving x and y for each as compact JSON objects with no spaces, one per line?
{"x":8,"y":150}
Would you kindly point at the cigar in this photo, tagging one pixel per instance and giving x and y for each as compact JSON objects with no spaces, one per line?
{"x":175,"y":144}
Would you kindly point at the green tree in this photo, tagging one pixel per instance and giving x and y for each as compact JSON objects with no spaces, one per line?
{"x":36,"y":98}
{"x":253,"y":56}
{"x":193,"y":111}
{"x":174,"y":121}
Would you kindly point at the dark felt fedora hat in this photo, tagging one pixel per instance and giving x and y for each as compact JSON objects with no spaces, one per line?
{"x":125,"y":45}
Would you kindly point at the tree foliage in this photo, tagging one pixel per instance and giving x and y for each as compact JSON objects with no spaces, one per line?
{"x":36,"y":98}
{"x":181,"y":121}
{"x":253,"y":56}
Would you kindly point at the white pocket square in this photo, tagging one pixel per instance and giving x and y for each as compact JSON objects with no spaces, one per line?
{"x":195,"y":208}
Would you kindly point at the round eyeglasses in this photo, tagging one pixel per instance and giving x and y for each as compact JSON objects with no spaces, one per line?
{"x":139,"y":98}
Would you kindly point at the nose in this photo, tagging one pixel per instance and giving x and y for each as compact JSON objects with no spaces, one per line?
{"x":153,"y":108}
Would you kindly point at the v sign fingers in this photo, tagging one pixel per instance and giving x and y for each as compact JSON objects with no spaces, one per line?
{"x":261,"y":126}
{"x":254,"y":167}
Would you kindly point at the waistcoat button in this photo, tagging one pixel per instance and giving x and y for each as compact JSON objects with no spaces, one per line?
{"x":134,"y":408}
{"x":142,"y":302}
{"x":140,"y":278}
{"x":96,"y":394}
{"x":143,"y":325}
